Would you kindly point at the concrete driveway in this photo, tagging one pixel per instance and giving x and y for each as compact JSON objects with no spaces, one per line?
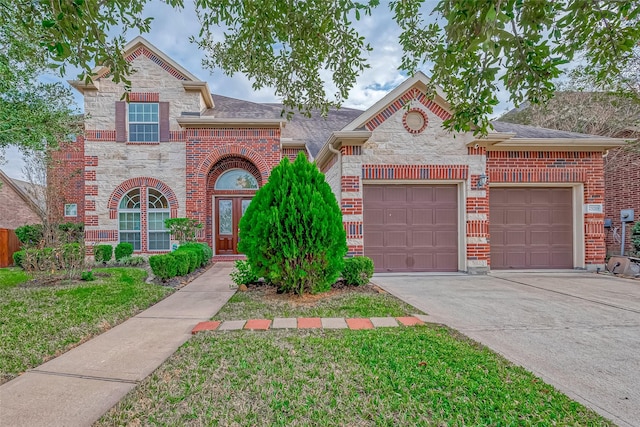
{"x":577,"y":331}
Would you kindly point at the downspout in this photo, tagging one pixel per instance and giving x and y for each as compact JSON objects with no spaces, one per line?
{"x":339,"y":153}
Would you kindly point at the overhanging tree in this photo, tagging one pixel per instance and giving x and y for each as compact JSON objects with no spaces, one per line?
{"x":292,"y":232}
{"x":468,"y":47}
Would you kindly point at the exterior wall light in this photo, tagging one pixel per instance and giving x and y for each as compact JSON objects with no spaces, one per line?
{"x":482,"y":181}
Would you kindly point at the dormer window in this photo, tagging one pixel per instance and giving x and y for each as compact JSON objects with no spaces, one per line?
{"x":144,"y":122}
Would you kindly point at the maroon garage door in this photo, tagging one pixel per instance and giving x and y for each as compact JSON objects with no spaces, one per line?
{"x":411,"y":227}
{"x":531,"y":228}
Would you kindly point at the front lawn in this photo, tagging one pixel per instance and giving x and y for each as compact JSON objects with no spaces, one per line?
{"x":425,"y":375}
{"x":11,"y":276}
{"x":40,"y":322}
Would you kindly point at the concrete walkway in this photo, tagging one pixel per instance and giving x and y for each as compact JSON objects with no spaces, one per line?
{"x":578,"y":331}
{"x":78,"y":387}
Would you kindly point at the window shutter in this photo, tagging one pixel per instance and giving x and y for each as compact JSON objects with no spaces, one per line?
{"x":164,"y":121}
{"x":121,"y":121}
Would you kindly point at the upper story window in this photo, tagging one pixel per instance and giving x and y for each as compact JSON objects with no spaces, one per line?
{"x":144,"y":122}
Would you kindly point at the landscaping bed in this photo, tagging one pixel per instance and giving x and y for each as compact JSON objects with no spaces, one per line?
{"x":423,"y":375}
{"x":44,"y":317}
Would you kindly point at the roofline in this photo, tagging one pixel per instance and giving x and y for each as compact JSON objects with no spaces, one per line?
{"x":214,"y":122}
{"x":418,"y":78}
{"x":352,"y":137}
{"x":23,"y":195}
{"x":549,"y":144}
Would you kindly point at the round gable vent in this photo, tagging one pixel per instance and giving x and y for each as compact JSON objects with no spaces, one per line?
{"x":415,"y":120}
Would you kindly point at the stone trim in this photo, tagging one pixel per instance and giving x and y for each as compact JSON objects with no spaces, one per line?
{"x":418,"y":172}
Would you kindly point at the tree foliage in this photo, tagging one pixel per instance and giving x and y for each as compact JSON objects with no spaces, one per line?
{"x":292,"y":231}
{"x":299,"y":47}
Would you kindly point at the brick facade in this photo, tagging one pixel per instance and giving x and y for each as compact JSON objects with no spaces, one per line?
{"x":622,"y":191}
{"x":14,"y":210}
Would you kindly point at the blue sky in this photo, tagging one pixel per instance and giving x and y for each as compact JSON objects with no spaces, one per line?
{"x":170,"y":33}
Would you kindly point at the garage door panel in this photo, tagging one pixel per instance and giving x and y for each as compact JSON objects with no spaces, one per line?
{"x":420,"y":216}
{"x":531,"y":227}
{"x":411,"y":227}
{"x":395,"y":195}
{"x":395,"y":217}
{"x":395,"y":239}
{"x":422,"y":239}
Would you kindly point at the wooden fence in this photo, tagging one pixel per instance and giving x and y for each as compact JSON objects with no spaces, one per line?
{"x":9,"y":244}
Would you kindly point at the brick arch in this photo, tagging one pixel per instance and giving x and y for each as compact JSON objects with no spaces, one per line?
{"x":231,"y":151}
{"x":228,"y":163}
{"x":147,"y":182}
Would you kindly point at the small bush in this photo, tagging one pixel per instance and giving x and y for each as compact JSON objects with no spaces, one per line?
{"x":193,"y":260}
{"x":164,"y":266}
{"x":635,"y":237}
{"x":357,"y":270}
{"x":87,"y":276}
{"x":243,"y":274}
{"x":183,"y":262}
{"x":183,"y":229}
{"x":71,"y":232}
{"x":132,"y":261}
{"x":17,"y":258}
{"x":71,"y":255}
{"x":205,"y":253}
{"x":102,"y":253}
{"x":123,"y":249}
{"x":30,"y":235}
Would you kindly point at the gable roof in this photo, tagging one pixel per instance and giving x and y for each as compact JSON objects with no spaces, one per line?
{"x":21,"y":188}
{"x":397,"y":98}
{"x":140,"y":46}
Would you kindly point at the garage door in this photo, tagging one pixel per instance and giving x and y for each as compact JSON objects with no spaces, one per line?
{"x":411,"y":227}
{"x":531,"y":228}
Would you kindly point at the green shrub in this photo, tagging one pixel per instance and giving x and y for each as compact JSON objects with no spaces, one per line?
{"x":164,"y":266}
{"x":194,"y":259}
{"x":87,"y":276}
{"x":183,"y":229}
{"x":17,"y":258}
{"x":71,"y":232}
{"x":357,"y":270}
{"x":203,"y":251}
{"x":635,"y":237}
{"x":242,"y":274}
{"x":102,"y":253}
{"x":132,"y":261}
{"x":208,"y":253}
{"x":30,"y":235}
{"x":292,"y":231}
{"x":123,"y":249}
{"x":183,"y":261}
{"x":72,"y":256}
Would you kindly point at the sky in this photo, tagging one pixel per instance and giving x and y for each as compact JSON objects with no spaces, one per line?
{"x":170,"y":31}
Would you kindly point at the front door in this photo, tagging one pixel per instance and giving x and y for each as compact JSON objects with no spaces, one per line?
{"x":228,"y":211}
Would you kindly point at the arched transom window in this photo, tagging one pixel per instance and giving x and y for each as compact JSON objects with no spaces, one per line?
{"x":130,"y":222}
{"x":236,"y":179}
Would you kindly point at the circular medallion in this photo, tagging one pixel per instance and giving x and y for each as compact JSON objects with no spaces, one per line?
{"x":415,"y":120}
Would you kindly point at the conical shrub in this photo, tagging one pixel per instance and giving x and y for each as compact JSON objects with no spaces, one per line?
{"x":292,"y":232}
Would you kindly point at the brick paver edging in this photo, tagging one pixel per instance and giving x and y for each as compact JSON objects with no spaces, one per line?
{"x":308,"y":323}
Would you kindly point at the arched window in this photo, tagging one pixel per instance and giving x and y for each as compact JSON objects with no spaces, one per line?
{"x":131,"y":227}
{"x":159,"y":238}
{"x":129,"y":218}
{"x":236,"y":179}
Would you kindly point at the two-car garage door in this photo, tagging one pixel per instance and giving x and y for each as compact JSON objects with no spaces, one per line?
{"x":411,"y":227}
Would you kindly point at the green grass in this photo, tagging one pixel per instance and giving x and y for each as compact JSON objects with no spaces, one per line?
{"x":37,"y":323}
{"x":12,"y":276}
{"x":264,"y":303}
{"x":423,"y":376}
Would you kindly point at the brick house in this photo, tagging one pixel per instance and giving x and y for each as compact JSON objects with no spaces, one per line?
{"x":18,"y":207}
{"x":414,"y":196}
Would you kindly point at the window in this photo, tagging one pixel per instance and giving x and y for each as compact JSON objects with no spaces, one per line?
{"x":236,"y":179}
{"x":157,"y":212}
{"x":71,"y":209}
{"x":129,"y":219}
{"x":143,"y":122}
{"x":130,"y":224}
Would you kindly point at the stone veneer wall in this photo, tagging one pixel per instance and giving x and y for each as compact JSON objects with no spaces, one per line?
{"x":110,"y":167}
{"x":396,"y":153}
